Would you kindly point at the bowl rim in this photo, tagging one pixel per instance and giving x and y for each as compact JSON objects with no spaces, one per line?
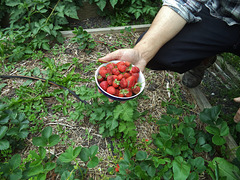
{"x":116,"y":97}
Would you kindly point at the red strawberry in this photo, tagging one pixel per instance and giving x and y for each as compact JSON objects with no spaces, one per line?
{"x":127,"y":63}
{"x":109,"y":70}
{"x":131,"y":81}
{"x":104,"y":85}
{"x":100,"y":78}
{"x":120,"y":63}
{"x":117,"y":92}
{"x":110,"y":80}
{"x":111,"y":90}
{"x":110,"y":65}
{"x":115,"y":83}
{"x":136,"y":75}
{"x":114,"y":77}
{"x":123,"y":83}
{"x":119,"y":77}
{"x":126,"y":75}
{"x":134,"y":69}
{"x":122,"y":67}
{"x":115,"y":71}
{"x":136,"y":89}
{"x":127,"y":92}
{"x":103,"y":72}
{"x":103,"y":68}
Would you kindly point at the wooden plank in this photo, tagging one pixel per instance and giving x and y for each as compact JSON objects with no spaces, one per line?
{"x":204,"y":103}
{"x":137,"y":28}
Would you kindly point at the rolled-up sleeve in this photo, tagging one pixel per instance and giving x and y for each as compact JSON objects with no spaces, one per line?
{"x":187,"y":9}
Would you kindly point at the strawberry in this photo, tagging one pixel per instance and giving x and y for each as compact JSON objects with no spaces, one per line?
{"x":100,"y":78}
{"x":119,"y":77}
{"x":126,"y":75}
{"x":127,"y":63}
{"x":103,"y":72}
{"x":136,"y":89}
{"x":134,"y":69}
{"x":120,"y":63}
{"x":136,"y":75}
{"x":131,"y":81}
{"x":104,"y":85}
{"x":110,"y":65}
{"x":109,"y":70}
{"x":114,"y":77}
{"x":122,"y":67}
{"x":120,"y":94}
{"x":111,"y":90}
{"x":115,"y":71}
{"x":110,"y":80}
{"x":115,"y":83}
{"x":123,"y":83}
{"x":127,"y":92}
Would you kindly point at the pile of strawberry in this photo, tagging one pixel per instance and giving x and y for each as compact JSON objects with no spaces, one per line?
{"x":119,"y":79}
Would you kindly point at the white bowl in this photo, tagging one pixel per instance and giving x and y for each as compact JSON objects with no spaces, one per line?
{"x":141,"y":80}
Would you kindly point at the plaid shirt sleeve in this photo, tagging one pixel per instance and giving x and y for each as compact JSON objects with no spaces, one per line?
{"x":186,"y":8}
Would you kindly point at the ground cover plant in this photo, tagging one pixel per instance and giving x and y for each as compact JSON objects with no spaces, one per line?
{"x":50,"y":132}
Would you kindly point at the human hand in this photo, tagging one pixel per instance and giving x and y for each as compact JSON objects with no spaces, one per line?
{"x":130,"y":55}
{"x":237,"y":116}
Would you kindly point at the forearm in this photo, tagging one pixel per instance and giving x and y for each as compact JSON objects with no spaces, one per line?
{"x":165,"y":26}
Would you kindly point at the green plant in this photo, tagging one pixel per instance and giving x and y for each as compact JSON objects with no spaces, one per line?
{"x":37,"y":165}
{"x":216,"y":126}
{"x":84,"y":39}
{"x":13,"y":128}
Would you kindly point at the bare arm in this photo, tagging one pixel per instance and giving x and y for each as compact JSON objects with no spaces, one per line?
{"x":165,"y":26}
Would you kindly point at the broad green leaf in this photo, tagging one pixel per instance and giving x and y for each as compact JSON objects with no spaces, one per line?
{"x":15,"y":175}
{"x":114,"y":124}
{"x":174,"y":110}
{"x":53,"y":140}
{"x":218,"y":140}
{"x":213,"y":130}
{"x":207,"y":147}
{"x":224,"y":129}
{"x":93,"y":162}
{"x":141,"y":155}
{"x":226,"y":169}
{"x":101,"y":4}
{"x":42,"y":152}
{"x":181,"y":169}
{"x":49,"y":166}
{"x":13,"y":3}
{"x":93,"y":150}
{"x":151,"y":171}
{"x":127,"y":156}
{"x":113,"y":2}
{"x":67,"y":175}
{"x":35,"y":170}
{"x":70,"y":154}
{"x":4,"y":119}
{"x":210,"y":115}
{"x":39,"y":141}
{"x":4,"y":144}
{"x":47,"y":132}
{"x":84,"y":154}
{"x":3,"y":130}
{"x":15,"y":161}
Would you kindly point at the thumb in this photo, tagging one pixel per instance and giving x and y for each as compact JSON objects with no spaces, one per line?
{"x":237,"y":99}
